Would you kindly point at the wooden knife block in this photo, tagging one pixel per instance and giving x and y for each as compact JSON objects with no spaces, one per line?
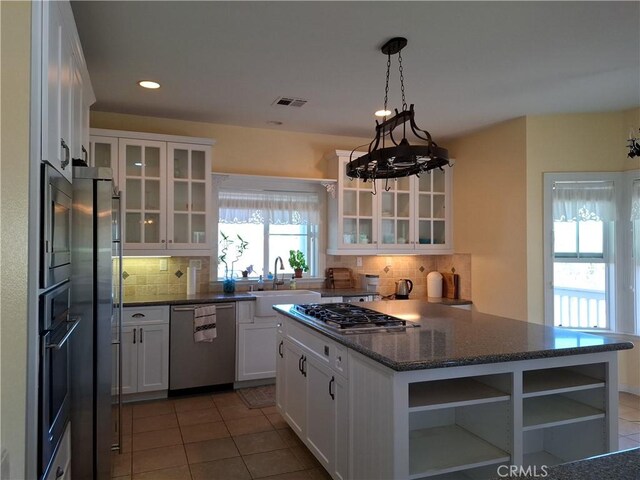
{"x":339,"y":278}
{"x":450,"y":285}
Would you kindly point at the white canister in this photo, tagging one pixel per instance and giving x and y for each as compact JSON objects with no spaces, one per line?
{"x":434,"y":285}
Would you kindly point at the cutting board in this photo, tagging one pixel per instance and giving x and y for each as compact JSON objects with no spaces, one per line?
{"x":450,"y":285}
{"x":339,"y":278}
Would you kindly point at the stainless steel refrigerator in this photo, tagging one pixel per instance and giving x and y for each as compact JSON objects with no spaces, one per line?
{"x":95,"y":299}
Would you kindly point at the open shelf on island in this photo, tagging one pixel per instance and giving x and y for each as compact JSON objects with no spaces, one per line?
{"x":540,"y":458}
{"x":556,"y":380}
{"x":450,"y":448}
{"x":553,"y":410}
{"x":457,"y":392}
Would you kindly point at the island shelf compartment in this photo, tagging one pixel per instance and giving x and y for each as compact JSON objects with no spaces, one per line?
{"x":455,"y":439}
{"x":565,"y":443}
{"x":563,"y":379}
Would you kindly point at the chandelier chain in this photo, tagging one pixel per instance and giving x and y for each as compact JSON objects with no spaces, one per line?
{"x":386,"y":87}
{"x":404,"y":102}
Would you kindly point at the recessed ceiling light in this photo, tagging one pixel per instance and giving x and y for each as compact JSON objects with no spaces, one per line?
{"x":148,"y":84}
{"x":383,"y":113}
{"x":274,"y":122}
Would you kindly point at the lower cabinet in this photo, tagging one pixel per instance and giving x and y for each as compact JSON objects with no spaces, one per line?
{"x":256,"y":348}
{"x":312,"y":396}
{"x":145,"y":349}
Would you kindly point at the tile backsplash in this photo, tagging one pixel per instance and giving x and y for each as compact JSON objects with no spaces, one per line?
{"x":415,"y":268}
{"x":142,"y":276}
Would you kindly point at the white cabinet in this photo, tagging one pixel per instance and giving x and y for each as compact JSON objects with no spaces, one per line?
{"x":312,"y":394}
{"x":66,"y":89}
{"x":257,"y":344}
{"x":165,"y":182}
{"x":145,"y":349}
{"x":406,"y":215}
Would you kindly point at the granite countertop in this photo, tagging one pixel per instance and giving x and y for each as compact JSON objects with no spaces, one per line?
{"x":341,"y":292}
{"x":451,"y":337}
{"x":624,"y":465}
{"x":184,"y":299}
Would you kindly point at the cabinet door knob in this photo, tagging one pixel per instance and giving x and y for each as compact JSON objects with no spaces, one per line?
{"x":331,"y":382}
{"x":280,"y":348}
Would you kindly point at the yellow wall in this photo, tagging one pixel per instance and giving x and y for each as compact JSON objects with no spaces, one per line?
{"x":14,"y":203}
{"x":589,"y":142}
{"x":253,"y":151}
{"x":489,"y":210}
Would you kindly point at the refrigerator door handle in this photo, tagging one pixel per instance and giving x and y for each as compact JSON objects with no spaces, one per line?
{"x":60,"y":344}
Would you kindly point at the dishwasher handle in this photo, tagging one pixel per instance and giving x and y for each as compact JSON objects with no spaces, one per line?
{"x":221,"y":306}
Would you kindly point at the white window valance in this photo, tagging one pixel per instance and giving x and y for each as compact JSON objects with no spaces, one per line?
{"x":276,"y":208}
{"x":574,"y":201}
{"x":635,"y":200}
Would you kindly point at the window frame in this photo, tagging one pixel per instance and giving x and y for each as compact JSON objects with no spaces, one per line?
{"x":612,"y":249}
{"x":223,"y":181}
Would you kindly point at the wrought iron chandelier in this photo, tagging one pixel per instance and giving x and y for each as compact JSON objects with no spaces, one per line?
{"x":634,"y":146}
{"x":399,"y":159}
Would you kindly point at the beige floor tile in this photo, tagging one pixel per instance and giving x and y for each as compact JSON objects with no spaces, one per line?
{"x":271,"y":463}
{"x":629,"y":399}
{"x":625,"y":443}
{"x":629,"y":413}
{"x":193,"y":403}
{"x":269,"y":410}
{"x":123,"y":477}
{"x":627,"y":428}
{"x":176,"y":473}
{"x":299,"y":475}
{"x":120,"y":464}
{"x":150,"y":409}
{"x":259,"y":442}
{"x":226,"y":469}
{"x":277,"y":421}
{"x":239,"y":411}
{"x":194,"y":417}
{"x":210,"y":450}
{"x":157,"y":422}
{"x":242,"y":426}
{"x":156,"y":439}
{"x":159,"y":458}
{"x":227,"y":399}
{"x":318,"y":474}
{"x":305,"y":457}
{"x":203,"y":431}
{"x":126,"y":444}
{"x":289,"y":437}
{"x":127,"y":414}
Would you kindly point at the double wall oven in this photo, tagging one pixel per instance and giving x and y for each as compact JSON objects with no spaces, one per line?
{"x":56,"y":327}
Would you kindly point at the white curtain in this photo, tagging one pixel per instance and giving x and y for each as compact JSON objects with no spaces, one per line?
{"x":583,"y":201}
{"x":635,"y":200}
{"x":277,"y":208}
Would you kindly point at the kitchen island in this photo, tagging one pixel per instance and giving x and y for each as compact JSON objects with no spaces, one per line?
{"x":454,"y":398}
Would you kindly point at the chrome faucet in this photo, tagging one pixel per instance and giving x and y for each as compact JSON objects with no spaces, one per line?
{"x":275,"y":273}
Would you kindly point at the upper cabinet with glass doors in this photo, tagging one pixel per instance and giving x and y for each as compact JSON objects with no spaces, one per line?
{"x":404,"y":215}
{"x":166,"y":190}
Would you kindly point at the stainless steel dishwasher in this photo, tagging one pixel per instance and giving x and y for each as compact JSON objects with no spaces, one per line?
{"x":202,"y":364}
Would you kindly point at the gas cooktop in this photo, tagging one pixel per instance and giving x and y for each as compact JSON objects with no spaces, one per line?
{"x":352,"y":318}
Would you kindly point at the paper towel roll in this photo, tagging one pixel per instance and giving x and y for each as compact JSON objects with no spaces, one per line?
{"x":191,"y":280}
{"x":434,"y":285}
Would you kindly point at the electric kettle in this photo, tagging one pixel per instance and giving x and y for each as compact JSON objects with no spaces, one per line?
{"x":403,"y":289}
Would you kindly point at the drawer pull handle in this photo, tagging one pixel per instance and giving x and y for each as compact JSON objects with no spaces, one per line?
{"x":138,"y":315}
{"x":280,"y":348}
{"x":331,"y":394}
{"x":67,"y":154}
{"x":304,"y":366}
{"x":134,"y":335}
{"x":300,"y":363}
{"x":141,"y":335}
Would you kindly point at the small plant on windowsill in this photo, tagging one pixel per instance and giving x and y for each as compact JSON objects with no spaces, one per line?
{"x":238,"y":245}
{"x":297,"y":262}
{"x":247,"y":271}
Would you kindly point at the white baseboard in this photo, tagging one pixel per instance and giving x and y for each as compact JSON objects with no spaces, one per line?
{"x":629,"y":389}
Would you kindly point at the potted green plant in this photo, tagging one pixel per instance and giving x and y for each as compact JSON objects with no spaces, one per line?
{"x":297,"y":262}
{"x":238,"y":247}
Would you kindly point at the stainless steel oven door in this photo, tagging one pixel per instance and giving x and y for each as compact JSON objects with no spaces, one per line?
{"x":55,"y":396}
{"x":56,"y":228}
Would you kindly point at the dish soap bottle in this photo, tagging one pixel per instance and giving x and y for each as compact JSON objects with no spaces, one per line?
{"x":292,"y":284}
{"x":260,"y":284}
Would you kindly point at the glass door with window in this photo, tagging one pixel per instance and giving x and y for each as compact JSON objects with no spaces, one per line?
{"x":396,"y":228}
{"x":357,"y":213}
{"x":142,"y":173}
{"x":189,"y":192}
{"x":431,"y":204}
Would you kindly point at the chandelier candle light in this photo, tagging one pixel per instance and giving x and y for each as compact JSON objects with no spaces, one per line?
{"x":400,"y":159}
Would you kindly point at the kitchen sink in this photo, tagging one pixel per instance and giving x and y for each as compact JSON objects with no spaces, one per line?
{"x":265,"y":300}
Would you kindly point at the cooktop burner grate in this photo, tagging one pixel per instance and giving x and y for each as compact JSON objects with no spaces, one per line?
{"x":346,"y":316}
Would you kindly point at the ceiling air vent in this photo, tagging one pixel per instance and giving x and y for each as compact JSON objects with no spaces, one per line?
{"x":289,"y":102}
